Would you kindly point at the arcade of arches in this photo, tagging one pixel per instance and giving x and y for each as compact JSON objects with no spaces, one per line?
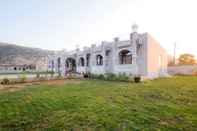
{"x":125,"y":57}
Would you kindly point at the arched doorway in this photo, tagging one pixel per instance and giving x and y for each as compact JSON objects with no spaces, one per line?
{"x":70,"y":65}
{"x":59,"y":64}
{"x":99,"y":60}
{"x":88,"y":60}
{"x":125,"y":57}
{"x":81,"y":62}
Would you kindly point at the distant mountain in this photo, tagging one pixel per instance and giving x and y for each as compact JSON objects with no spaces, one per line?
{"x":14,"y":54}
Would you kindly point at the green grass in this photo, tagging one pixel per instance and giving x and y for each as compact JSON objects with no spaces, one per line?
{"x":163,"y":104}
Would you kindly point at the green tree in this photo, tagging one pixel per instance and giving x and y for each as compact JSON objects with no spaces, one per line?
{"x":187,"y":59}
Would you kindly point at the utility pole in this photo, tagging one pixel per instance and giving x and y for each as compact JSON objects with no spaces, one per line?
{"x":174,"y":57}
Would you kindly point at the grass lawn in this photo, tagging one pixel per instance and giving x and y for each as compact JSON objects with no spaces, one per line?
{"x":163,"y":104}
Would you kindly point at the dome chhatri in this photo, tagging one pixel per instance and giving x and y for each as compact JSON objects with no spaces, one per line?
{"x":134,"y":27}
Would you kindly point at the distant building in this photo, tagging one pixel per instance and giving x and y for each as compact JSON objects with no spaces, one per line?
{"x":10,"y":68}
{"x":140,"y":55}
{"x":41,"y":64}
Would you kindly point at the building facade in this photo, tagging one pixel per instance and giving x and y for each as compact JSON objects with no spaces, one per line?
{"x":13,"y":68}
{"x":141,"y":55}
{"x":36,"y":65}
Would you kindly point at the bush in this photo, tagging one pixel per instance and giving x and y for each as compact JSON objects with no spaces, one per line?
{"x":93,"y":76}
{"x":123,"y":77}
{"x":96,"y":76}
{"x":5,"y":81}
{"x":110,"y":77}
{"x":38,"y":75}
{"x":101,"y":77}
{"x":137,"y":79}
{"x":23,"y":78}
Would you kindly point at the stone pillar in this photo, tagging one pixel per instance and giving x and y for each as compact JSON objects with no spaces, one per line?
{"x":63,"y":66}
{"x":93,"y":56}
{"x":133,"y":40}
{"x":115,"y":57}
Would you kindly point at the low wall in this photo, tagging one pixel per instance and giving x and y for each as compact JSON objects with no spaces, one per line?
{"x":28,"y":76}
{"x":185,"y":70}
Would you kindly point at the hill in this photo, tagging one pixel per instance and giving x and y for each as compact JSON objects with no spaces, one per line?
{"x":14,"y":54}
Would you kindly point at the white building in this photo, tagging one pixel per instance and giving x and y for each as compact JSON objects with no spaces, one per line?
{"x":141,"y":55}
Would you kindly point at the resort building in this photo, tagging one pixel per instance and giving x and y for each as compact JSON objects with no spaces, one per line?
{"x":141,"y":55}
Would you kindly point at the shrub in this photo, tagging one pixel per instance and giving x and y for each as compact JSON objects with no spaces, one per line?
{"x":137,"y":79}
{"x":123,"y":77}
{"x":93,"y":76}
{"x":96,"y":76}
{"x":110,"y":76}
{"x":101,"y":77}
{"x":23,"y":78}
{"x":5,"y":81}
{"x":37,"y":75}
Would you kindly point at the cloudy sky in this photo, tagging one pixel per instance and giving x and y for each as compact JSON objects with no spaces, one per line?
{"x":63,"y":24}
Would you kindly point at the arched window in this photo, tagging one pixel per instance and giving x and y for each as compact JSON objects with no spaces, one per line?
{"x":99,"y":60}
{"x":52,"y":64}
{"x":125,"y":57}
{"x":59,"y":62}
{"x":88,"y":59}
{"x":70,"y":64}
{"x":81,"y":61}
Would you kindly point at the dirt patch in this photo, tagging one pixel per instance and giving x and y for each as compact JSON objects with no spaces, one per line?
{"x":11,"y":88}
{"x":61,"y":82}
{"x":16,"y":87}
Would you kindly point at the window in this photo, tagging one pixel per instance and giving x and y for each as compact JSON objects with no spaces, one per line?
{"x":52,"y":64}
{"x":70,"y":64}
{"x":99,"y":60}
{"x":88,"y":59}
{"x":125,"y":57}
{"x":59,"y":62}
{"x":107,"y":53}
{"x":81,"y":61}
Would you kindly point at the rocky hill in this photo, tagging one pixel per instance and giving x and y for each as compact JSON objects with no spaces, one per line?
{"x":14,"y":54}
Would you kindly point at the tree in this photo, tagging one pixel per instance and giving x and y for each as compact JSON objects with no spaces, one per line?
{"x":187,"y":59}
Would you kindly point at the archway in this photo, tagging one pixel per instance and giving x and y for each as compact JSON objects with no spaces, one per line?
{"x":70,"y":65}
{"x":81,"y":62}
{"x":99,"y":60}
{"x":88,"y":60}
{"x":125,"y":57}
{"x":59,"y":64}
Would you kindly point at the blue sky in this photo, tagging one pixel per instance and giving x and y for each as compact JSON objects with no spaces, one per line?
{"x":62,"y":24}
